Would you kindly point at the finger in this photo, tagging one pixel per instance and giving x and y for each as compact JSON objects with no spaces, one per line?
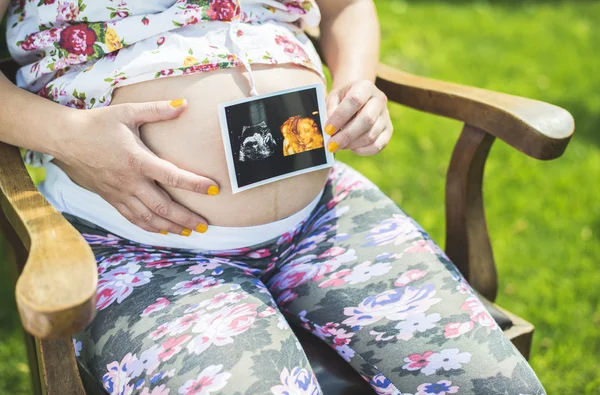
{"x":369,"y":137}
{"x":353,"y":100}
{"x":126,"y":212}
{"x":136,"y":114}
{"x":167,"y":173}
{"x":161,"y":204}
{"x":143,"y":215}
{"x":359,"y":125}
{"x":333,"y":100}
{"x":377,"y":146}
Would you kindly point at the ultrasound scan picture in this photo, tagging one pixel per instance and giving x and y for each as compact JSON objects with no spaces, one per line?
{"x":300,"y":134}
{"x":257,"y":142}
{"x":274,"y":136}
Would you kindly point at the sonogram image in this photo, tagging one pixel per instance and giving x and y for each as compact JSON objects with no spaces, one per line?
{"x":300,"y":134}
{"x":257,"y":143}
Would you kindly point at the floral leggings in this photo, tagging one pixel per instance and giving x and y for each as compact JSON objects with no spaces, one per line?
{"x":358,"y":273}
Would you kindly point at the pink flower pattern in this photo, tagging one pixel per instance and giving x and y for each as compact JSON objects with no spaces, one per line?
{"x":117,"y":284}
{"x":200,"y":283}
{"x":211,"y":379}
{"x":172,"y":346}
{"x":478,"y":313}
{"x":160,"y":304}
{"x":409,"y":276}
{"x":219,"y":327}
{"x":417,"y":361}
{"x":456,"y":329}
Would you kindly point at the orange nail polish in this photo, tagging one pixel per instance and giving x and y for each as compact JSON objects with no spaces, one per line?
{"x":329,"y":129}
{"x":186,"y":232}
{"x":213,"y":190}
{"x":201,"y":228}
{"x":164,"y":232}
{"x":176,"y":103}
{"x":332,"y":146}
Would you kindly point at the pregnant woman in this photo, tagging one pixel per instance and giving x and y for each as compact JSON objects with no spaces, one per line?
{"x":197,"y":284}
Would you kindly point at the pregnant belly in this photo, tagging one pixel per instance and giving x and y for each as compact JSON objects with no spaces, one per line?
{"x":193,"y":142}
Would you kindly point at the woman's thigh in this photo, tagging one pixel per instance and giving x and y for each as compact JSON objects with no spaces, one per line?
{"x":365,"y":278}
{"x":179,"y":323}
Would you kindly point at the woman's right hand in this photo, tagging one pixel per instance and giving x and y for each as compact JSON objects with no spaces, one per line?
{"x":104,"y":153}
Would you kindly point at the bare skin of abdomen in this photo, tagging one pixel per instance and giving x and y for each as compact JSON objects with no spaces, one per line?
{"x":193,"y":142}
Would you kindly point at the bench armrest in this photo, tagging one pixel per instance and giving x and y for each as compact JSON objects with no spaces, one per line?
{"x":538,"y":129}
{"x":56,"y":292}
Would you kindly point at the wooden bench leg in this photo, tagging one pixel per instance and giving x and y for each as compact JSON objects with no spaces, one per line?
{"x":61,"y":375}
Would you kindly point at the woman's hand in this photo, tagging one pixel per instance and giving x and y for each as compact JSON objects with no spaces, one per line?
{"x":104,"y":153}
{"x":359,"y":119}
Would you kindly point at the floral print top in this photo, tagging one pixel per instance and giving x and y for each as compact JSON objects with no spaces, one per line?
{"x":76,"y":52}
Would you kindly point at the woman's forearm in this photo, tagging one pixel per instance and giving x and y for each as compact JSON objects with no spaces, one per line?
{"x":29,"y":121}
{"x":350,"y":39}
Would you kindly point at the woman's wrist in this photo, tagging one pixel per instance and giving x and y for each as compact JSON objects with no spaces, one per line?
{"x":345,"y":77}
{"x":61,"y":139}
{"x":38,"y":124}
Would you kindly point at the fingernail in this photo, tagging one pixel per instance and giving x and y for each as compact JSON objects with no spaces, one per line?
{"x":332,"y":146}
{"x":164,"y":232}
{"x":329,"y":129}
{"x":201,"y":228}
{"x":213,"y":190}
{"x":186,"y":232}
{"x":176,"y":103}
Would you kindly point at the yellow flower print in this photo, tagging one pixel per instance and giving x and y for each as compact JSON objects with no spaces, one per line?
{"x":112,"y":40}
{"x":189,"y":61}
{"x":306,"y":5}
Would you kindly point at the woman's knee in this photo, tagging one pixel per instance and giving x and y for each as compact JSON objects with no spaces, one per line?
{"x":229,"y":340}
{"x":490,"y":367}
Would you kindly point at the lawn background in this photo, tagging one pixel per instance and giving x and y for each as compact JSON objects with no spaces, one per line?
{"x":543,"y":217}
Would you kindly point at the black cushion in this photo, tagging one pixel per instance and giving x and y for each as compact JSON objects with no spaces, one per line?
{"x":90,"y":385}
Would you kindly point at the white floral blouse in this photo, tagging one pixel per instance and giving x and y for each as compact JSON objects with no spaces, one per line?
{"x":76,"y":52}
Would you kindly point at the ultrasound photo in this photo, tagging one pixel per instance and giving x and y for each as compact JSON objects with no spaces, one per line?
{"x":257,"y":142}
{"x":278,"y":135}
{"x":300,"y":134}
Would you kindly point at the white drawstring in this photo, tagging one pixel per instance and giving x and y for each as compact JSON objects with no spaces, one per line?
{"x":237,"y":50}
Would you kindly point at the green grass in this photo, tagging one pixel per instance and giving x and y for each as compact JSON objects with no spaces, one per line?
{"x":544,"y":217}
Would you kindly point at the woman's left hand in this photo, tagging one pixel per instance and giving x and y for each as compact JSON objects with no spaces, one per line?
{"x":359,"y":119}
